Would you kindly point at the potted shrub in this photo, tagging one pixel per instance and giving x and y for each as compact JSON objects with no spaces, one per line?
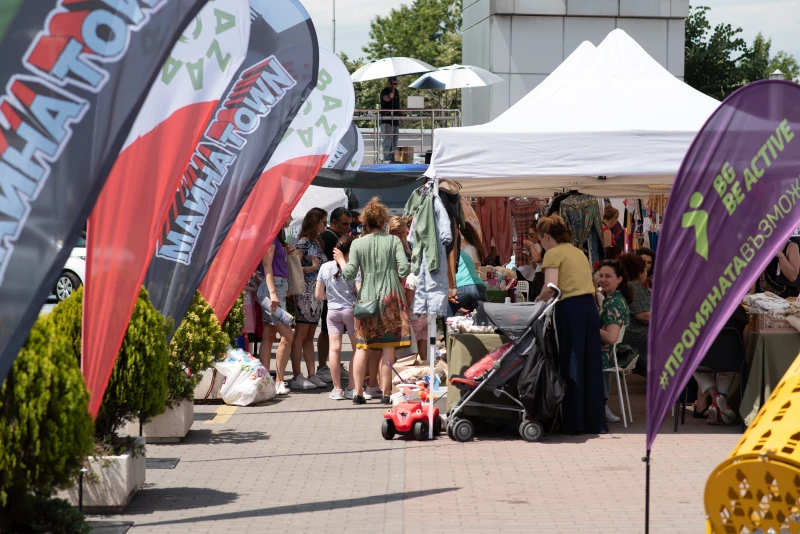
{"x":233,"y":325}
{"x":137,"y":388}
{"x":196,"y":345}
{"x":45,"y":434}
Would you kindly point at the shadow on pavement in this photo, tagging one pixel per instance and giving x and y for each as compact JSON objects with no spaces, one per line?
{"x":303,"y":508}
{"x":168,"y":499}
{"x":223,"y":437}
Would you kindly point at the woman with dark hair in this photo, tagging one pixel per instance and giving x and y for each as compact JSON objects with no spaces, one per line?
{"x":470,"y":288}
{"x":610,"y":220}
{"x":649,"y":258}
{"x":577,"y":328}
{"x":381,"y":259}
{"x":636,"y":334}
{"x":272,"y":293}
{"x":309,"y":309}
{"x":340,"y":295}
{"x":614,"y":316}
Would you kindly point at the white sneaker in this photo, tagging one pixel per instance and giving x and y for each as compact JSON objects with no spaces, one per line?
{"x":301,"y":382}
{"x":610,"y":417}
{"x":367,"y":396}
{"x":324,"y":374}
{"x":314,"y":379}
{"x":348,"y":394}
{"x":337,"y":394}
{"x":281,"y":389}
{"x":373,"y":392}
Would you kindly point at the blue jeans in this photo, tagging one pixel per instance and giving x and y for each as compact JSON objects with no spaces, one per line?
{"x":469,"y":297}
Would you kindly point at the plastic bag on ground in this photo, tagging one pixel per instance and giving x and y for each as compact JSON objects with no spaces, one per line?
{"x":246,"y":380}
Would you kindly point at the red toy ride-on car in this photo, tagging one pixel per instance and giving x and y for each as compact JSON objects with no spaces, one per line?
{"x":408,"y":417}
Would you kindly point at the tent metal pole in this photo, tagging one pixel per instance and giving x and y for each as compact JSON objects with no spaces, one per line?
{"x":432,"y":363}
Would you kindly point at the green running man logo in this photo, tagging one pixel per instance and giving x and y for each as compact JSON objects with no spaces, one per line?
{"x":699,"y":220}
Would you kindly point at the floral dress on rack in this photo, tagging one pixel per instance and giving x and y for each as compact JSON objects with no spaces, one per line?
{"x":309,"y":309}
{"x":614,"y":311}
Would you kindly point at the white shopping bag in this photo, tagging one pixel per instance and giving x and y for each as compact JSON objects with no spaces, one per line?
{"x":246,"y":380}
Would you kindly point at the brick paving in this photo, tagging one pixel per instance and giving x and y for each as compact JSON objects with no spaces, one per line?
{"x":307,"y":464}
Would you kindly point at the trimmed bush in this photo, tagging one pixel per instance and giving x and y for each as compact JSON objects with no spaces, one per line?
{"x":197,"y":344}
{"x":138,"y":384}
{"x":234,"y":322}
{"x":45,"y":427}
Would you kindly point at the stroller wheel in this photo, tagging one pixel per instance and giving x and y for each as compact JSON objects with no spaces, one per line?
{"x":421,"y":430}
{"x":531,"y":431}
{"x":387,"y":429}
{"x":463,"y":431}
{"x":449,"y":428}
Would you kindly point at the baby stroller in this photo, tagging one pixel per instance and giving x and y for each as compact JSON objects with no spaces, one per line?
{"x":531,"y":355}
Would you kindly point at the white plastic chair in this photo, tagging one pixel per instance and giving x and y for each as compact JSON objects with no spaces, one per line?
{"x":622,"y":372}
{"x":523,"y":287}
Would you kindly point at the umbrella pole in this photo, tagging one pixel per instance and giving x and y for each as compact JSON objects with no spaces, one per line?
{"x":431,"y":362}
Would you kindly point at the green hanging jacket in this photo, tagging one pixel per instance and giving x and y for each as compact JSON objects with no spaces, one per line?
{"x":420,"y":207}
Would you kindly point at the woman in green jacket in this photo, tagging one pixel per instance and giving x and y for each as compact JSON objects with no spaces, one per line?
{"x":382,"y":261}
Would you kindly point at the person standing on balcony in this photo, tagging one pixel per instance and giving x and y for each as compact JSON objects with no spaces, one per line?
{"x":390,"y":126}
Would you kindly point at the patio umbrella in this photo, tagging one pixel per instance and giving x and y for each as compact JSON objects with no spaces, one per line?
{"x":390,"y":66}
{"x":456,"y":77}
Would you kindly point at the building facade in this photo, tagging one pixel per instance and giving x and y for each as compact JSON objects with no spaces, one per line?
{"x":523,"y":41}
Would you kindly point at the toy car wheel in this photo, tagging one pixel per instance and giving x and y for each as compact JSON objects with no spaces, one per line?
{"x":421,"y":430}
{"x":463,"y":431}
{"x":531,"y":431}
{"x":387,"y":429}
{"x":437,"y":425}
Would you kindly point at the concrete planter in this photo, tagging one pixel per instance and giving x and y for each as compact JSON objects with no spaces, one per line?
{"x":204,"y":385}
{"x":169,"y":427}
{"x":120,"y":477}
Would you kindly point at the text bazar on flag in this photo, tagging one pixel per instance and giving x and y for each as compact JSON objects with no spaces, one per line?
{"x":258,"y":89}
{"x":39,"y":107}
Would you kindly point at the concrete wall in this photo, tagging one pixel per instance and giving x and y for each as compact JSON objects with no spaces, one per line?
{"x":523,"y":41}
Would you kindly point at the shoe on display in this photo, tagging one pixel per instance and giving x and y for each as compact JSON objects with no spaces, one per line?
{"x":281,"y":388}
{"x":324,"y":374}
{"x":337,"y":394}
{"x":302,"y":382}
{"x":348,"y":394}
{"x":358,"y":399}
{"x":610,"y":417}
{"x":374,"y":392}
{"x":314,"y":379}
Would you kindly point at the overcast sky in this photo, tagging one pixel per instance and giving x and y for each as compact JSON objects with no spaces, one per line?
{"x":778,"y":19}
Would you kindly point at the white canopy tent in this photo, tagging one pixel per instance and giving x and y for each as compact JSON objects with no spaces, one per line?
{"x":609,"y":121}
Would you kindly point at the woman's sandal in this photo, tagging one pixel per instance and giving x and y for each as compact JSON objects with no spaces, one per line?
{"x":701,"y":415}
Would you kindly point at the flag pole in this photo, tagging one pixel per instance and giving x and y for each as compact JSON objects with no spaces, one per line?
{"x":646,"y":460}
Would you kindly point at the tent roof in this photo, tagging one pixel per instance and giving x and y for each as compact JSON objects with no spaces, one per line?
{"x":609,"y":121}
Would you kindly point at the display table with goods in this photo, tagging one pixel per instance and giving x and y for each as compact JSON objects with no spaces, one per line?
{"x":769,"y":356}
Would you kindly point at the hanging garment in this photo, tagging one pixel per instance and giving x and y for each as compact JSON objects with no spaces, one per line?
{"x":524,"y":212}
{"x":486,"y":227}
{"x":582,"y":215}
{"x":420,"y":206}
{"x":451,"y":200}
{"x":471,"y":218}
{"x":431,"y":296}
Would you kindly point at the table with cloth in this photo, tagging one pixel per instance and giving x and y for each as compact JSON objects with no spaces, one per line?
{"x":769,"y":356}
{"x":464,"y":350}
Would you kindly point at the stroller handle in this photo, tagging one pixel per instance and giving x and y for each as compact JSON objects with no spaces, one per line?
{"x":553,"y":301}
{"x":557,"y":292}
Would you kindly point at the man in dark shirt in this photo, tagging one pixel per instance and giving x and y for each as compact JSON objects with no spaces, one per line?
{"x":390,"y":127}
{"x":340,"y":225}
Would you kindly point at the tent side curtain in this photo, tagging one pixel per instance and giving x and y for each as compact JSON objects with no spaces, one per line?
{"x":372,"y":177}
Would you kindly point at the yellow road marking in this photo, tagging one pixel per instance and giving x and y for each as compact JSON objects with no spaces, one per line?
{"x":224,"y":413}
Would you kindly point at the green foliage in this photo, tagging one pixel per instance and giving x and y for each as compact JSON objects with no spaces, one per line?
{"x":138,"y":383}
{"x":712,"y":57}
{"x":428,"y":30}
{"x":45,"y":427}
{"x":46,"y":515}
{"x":233,"y":325}
{"x":719,"y":61}
{"x":199,"y":342}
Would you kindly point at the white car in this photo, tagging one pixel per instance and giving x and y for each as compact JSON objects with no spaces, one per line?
{"x":74,"y":272}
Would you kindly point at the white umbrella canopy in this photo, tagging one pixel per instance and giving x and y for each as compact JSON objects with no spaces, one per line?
{"x":390,"y":66}
{"x":456,"y":77}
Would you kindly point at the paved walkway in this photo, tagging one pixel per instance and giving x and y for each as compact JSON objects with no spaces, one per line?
{"x":304,"y":463}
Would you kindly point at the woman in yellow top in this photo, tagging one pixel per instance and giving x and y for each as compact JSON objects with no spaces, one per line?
{"x":577,"y":328}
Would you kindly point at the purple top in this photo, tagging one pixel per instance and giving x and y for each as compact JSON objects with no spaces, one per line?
{"x":279,"y":266}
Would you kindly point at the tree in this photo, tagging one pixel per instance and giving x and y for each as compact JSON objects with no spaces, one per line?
{"x":713,"y":57}
{"x":755,"y":65}
{"x":786,"y":63}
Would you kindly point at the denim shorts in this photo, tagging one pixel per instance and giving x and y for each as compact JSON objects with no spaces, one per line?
{"x":282,"y":289}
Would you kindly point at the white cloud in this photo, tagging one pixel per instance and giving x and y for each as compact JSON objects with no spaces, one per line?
{"x":352,"y":21}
